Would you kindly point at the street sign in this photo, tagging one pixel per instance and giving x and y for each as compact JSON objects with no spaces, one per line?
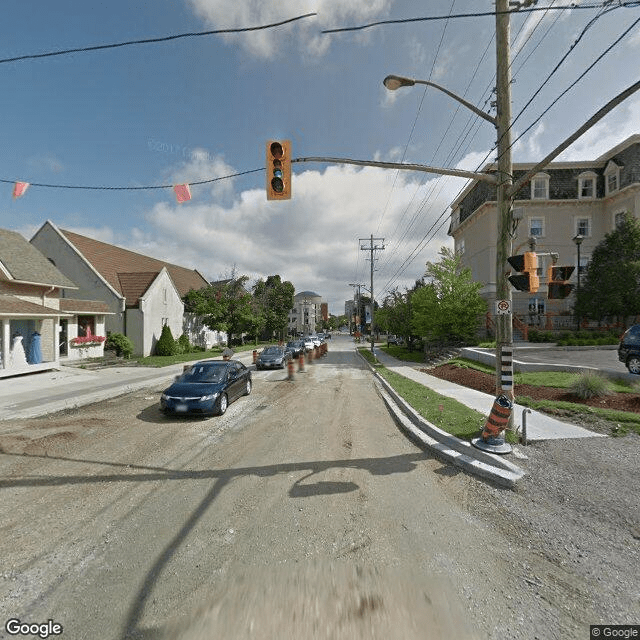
{"x":503,"y":307}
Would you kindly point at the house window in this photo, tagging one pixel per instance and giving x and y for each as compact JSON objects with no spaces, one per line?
{"x":612,"y":178}
{"x":583,"y":227}
{"x":536,"y":227}
{"x":618,"y":218}
{"x":582,"y":267}
{"x":586,"y":186}
{"x":86,"y":326}
{"x":540,"y":187}
{"x":461,"y":246}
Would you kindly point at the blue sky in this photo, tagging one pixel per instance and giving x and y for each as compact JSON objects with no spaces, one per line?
{"x":198,"y":108}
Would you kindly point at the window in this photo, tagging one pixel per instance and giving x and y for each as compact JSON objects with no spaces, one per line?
{"x":536,"y":227}
{"x":583,"y":227}
{"x":86,"y":326}
{"x":540,"y":187}
{"x":582,"y":267}
{"x":618,"y":218}
{"x":612,"y":178}
{"x":586,"y":186}
{"x":461,"y":245}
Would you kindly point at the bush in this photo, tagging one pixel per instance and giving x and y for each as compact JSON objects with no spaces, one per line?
{"x":166,"y":345}
{"x":589,"y":385}
{"x":119,"y":343}
{"x":184,"y":346}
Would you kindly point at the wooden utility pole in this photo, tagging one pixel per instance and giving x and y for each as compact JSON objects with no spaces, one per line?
{"x":371,"y":248}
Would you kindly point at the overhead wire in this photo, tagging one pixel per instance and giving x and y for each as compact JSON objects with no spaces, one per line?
{"x":178,"y":36}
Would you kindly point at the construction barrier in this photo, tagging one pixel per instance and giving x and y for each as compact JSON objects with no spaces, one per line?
{"x":301,"y":362}
{"x":492,"y":437}
{"x":255,"y":356}
{"x":290,"y":368}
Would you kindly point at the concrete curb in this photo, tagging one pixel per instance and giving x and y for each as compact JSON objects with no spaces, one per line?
{"x":458,"y":452}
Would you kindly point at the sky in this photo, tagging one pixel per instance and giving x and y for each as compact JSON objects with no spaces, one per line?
{"x":197,"y":108}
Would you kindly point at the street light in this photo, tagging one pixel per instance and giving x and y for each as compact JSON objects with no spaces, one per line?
{"x":578,"y":241}
{"x":395,"y":82}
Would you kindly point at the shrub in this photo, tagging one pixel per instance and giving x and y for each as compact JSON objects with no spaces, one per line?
{"x":184,"y":346}
{"x":119,"y":343}
{"x":589,"y":385}
{"x":166,"y":345}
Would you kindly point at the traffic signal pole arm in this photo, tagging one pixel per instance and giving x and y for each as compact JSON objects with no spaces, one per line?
{"x":486,"y":177}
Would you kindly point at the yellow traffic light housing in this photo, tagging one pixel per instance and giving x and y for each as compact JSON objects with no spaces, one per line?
{"x":527,"y":266}
{"x":557,"y":285}
{"x":278,"y":170}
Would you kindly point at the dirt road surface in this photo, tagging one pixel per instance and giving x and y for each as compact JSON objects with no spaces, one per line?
{"x":303,"y":512}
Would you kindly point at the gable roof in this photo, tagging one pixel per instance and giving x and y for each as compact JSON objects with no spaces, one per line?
{"x":14,"y":306}
{"x":22,"y":262}
{"x":127,"y":271}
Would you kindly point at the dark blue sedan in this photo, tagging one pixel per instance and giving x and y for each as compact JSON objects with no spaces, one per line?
{"x":206,"y":388}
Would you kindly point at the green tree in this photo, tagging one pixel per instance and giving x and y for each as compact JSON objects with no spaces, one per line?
{"x":166,"y":345}
{"x":610,"y":288}
{"x":274,"y":299}
{"x":449,"y":304}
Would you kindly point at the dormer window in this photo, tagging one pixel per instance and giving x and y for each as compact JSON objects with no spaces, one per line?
{"x":540,"y":187}
{"x":587,"y":185}
{"x":612,"y":178}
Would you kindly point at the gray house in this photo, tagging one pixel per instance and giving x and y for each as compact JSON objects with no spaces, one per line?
{"x":142,"y":293}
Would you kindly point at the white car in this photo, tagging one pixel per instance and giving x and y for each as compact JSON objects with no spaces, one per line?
{"x":309,"y":344}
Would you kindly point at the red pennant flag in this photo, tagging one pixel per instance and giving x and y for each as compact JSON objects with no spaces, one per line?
{"x":19,"y":189}
{"x":183,"y":193}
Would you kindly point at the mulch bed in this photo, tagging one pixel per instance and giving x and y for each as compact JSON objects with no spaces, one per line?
{"x":486,"y":383}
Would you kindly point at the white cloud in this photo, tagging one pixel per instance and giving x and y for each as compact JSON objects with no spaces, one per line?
{"x":262,"y":44}
{"x":311,"y":240}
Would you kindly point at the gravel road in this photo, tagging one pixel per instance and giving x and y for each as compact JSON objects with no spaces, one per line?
{"x":304,"y":512}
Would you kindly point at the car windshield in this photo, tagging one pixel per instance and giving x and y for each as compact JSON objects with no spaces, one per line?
{"x":204,"y":373}
{"x":272,"y":351}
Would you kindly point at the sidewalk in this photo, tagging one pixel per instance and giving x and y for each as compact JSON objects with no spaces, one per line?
{"x":37,"y":394}
{"x":539,"y":425}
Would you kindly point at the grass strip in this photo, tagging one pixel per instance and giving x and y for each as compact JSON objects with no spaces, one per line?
{"x":443,"y":412}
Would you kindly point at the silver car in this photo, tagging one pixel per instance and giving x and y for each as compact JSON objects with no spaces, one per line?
{"x":273,"y":358}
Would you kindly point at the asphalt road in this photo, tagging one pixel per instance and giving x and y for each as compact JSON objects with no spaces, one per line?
{"x":302,"y":513}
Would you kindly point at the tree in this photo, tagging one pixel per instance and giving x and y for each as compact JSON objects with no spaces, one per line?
{"x":166,"y":345}
{"x":447,"y":307}
{"x":274,"y":300}
{"x":611,"y":285}
{"x":224,"y":306}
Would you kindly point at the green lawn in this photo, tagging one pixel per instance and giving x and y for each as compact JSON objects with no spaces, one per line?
{"x":216,"y":352}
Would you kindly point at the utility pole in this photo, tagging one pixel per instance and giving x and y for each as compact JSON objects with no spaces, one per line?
{"x":357,"y":296}
{"x":504,"y":202}
{"x":371,"y":248}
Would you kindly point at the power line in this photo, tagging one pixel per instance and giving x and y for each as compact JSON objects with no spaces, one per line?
{"x":480,"y":14}
{"x":143,"y":188}
{"x":178,"y":36}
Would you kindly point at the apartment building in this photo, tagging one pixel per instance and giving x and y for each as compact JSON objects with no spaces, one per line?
{"x":568,"y":199}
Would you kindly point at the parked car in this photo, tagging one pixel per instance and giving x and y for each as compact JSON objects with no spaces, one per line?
{"x":273,"y":358}
{"x":207,"y":388}
{"x":296,"y":347}
{"x":629,"y":349}
{"x":309,"y":344}
{"x":399,"y":340}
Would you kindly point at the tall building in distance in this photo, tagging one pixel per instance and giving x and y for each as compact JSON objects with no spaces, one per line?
{"x":307,"y":313}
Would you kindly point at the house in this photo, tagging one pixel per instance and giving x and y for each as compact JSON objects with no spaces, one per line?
{"x":142,"y":293}
{"x":565,"y":203}
{"x":36,"y":327}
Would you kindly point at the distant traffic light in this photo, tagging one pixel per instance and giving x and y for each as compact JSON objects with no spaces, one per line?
{"x":558,"y":286}
{"x":278,"y":170}
{"x":527,"y":266}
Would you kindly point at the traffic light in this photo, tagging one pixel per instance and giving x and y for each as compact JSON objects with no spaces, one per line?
{"x":557,"y":285}
{"x":278,"y":170}
{"x":527,"y":265}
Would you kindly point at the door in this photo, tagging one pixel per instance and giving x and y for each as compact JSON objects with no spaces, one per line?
{"x":64,"y":347}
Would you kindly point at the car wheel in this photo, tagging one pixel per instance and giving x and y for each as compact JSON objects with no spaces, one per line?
{"x":247,"y":390}
{"x":633,"y":364}
{"x":223,"y":404}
